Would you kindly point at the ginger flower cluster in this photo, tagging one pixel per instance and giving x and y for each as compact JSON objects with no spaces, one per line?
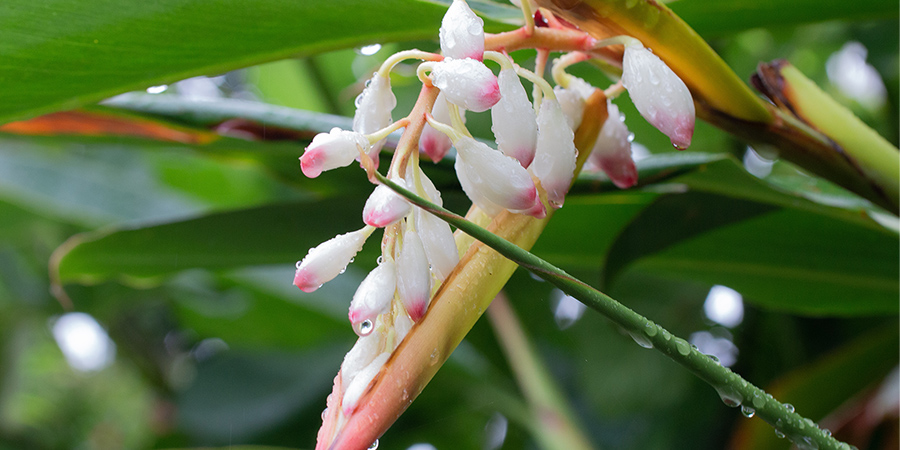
{"x":527,"y":170}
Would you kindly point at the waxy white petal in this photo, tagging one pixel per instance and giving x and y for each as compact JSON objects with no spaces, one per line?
{"x":497,"y":177}
{"x":373,"y":110}
{"x":659,"y":94}
{"x":328,"y":260}
{"x":413,"y":276}
{"x":373,"y":296}
{"x":385,"y":206}
{"x":467,"y":83}
{"x":612,"y":151}
{"x":513,"y":121}
{"x":440,"y":247}
{"x":554,"y":159}
{"x":572,"y":98}
{"x":357,"y":387}
{"x":462,"y":32}
{"x":363,"y":352}
{"x":331,"y":150}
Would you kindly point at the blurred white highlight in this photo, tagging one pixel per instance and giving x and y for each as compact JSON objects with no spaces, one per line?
{"x":724,"y":306}
{"x":83,"y":342}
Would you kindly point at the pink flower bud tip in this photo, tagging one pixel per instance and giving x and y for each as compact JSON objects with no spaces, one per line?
{"x":416,"y":309}
{"x":306,"y":281}
{"x":385,"y":207}
{"x":621,"y":170}
{"x":327,"y":151}
{"x":467,"y":83}
{"x":328,"y":260}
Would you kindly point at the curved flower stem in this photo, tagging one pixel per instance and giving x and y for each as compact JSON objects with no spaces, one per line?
{"x":396,"y":58}
{"x":552,"y":422}
{"x":732,"y":388}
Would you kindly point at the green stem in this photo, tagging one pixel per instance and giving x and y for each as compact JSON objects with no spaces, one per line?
{"x":552,"y":422}
{"x":732,"y":388}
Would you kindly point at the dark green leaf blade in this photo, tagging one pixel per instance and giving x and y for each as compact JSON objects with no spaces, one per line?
{"x":86,"y":50}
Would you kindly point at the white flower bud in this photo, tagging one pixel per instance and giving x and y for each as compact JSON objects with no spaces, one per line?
{"x":331,"y":150}
{"x":513,"y":121}
{"x":612,"y":151}
{"x":373,"y":297}
{"x":385,"y":206}
{"x":440,"y":247}
{"x":554,"y":159}
{"x":462,"y":32}
{"x":373,"y":110}
{"x":658,"y":94}
{"x":432,"y":142}
{"x":467,"y":83}
{"x":413,"y":276}
{"x":357,"y":387}
{"x":363,"y":352}
{"x":328,"y":260}
{"x":495,"y":176}
{"x":473,"y":192}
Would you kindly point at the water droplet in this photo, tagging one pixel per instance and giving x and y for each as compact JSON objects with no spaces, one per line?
{"x":298,"y":264}
{"x":380,"y":260}
{"x":678,"y":147}
{"x":435,"y":355}
{"x":324,"y":413}
{"x":758,"y":400}
{"x":747,"y":411}
{"x":650,"y":329}
{"x":641,"y":340}
{"x":157,"y":89}
{"x":682,"y":346}
{"x":827,"y":432}
{"x":789,"y":407}
{"x":374,"y":445}
{"x":358,"y":101}
{"x":730,"y":397}
{"x":779,"y":434}
{"x":714,"y":358}
{"x":368,"y":50}
{"x":665,"y":334}
{"x":364,"y":328}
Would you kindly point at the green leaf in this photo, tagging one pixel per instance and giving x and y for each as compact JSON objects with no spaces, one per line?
{"x":783,"y":259}
{"x":847,"y":371}
{"x":709,"y":17}
{"x":86,"y":50}
{"x":272,"y":234}
{"x":237,"y":395}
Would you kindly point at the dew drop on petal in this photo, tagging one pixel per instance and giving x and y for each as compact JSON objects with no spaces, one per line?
{"x":374,"y":445}
{"x":365,"y":328}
